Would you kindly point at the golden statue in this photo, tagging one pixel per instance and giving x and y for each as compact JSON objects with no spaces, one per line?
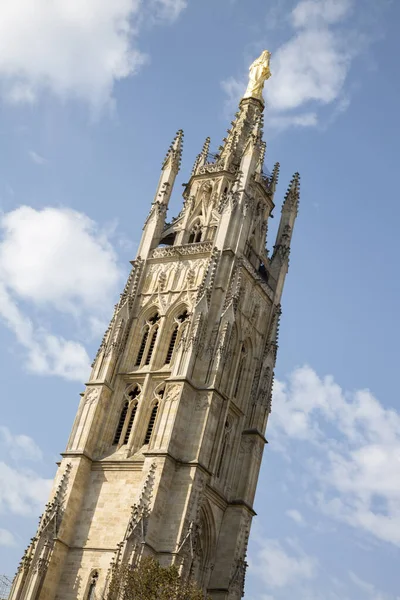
{"x":258,"y":73}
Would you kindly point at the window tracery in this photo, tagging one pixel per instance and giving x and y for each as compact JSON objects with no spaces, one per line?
{"x":179,"y":321}
{"x":132,"y":404}
{"x":149,"y":339}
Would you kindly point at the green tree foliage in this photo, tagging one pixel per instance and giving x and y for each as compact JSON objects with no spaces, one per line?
{"x":150,"y":581}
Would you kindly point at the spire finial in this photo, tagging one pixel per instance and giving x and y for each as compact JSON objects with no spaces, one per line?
{"x":174,"y":153}
{"x":292,"y":195}
{"x":273,"y":182}
{"x":201,"y":158}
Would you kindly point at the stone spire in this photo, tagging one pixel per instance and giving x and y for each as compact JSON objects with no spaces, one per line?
{"x":201,"y":158}
{"x":155,"y":221}
{"x":173,"y":157}
{"x":290,"y":207}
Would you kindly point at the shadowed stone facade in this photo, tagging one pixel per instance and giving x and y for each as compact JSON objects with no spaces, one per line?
{"x":164,"y":455}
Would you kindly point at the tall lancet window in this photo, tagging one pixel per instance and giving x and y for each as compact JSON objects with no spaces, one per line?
{"x":150,"y":426}
{"x":148,"y":342}
{"x":121,"y":423}
{"x":142,"y":346}
{"x":91,"y":595}
{"x":179,"y":321}
{"x":130,"y":423}
{"x":133,"y":403}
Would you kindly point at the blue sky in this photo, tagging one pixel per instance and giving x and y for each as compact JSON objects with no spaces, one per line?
{"x":91,"y":94}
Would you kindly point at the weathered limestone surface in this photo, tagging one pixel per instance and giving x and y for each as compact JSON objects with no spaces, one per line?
{"x":164,"y":455}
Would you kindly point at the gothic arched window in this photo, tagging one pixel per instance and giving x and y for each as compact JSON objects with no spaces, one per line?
{"x":195,"y":233}
{"x":91,"y":595}
{"x":121,"y":423}
{"x":148,"y":340}
{"x":150,"y":426}
{"x":182,"y":318}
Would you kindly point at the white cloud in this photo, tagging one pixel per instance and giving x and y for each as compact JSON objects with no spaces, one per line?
{"x":312,"y":66}
{"x":310,"y":69}
{"x":19,"y":446}
{"x":22,"y":492}
{"x":355,"y":469}
{"x":55,"y":259}
{"x":7,"y":538}
{"x":296,"y":516}
{"x":279,"y":567}
{"x":37,"y":158}
{"x":77,"y":49}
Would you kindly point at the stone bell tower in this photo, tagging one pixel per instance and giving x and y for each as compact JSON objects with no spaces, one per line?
{"x":165,"y":451}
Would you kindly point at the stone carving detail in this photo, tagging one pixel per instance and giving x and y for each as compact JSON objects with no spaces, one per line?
{"x":37,"y":554}
{"x":175,"y":251}
{"x":141,"y":511}
{"x":238,"y":570}
{"x":260,"y":281}
{"x":92,"y":394}
{"x":173,"y":393}
{"x":202,"y":402}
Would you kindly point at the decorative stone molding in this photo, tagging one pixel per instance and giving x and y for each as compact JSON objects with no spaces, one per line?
{"x":186,"y":250}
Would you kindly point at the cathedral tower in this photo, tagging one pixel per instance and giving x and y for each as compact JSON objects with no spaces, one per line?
{"x":164,"y":455}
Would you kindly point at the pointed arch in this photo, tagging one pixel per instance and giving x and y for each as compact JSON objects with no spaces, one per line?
{"x":92,"y":584}
{"x":180,"y":321}
{"x":205,"y":543}
{"x":149,"y":330}
{"x":196,"y":231}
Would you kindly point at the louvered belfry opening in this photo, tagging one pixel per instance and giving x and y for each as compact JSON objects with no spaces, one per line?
{"x":171,"y":346}
{"x":121,"y":423}
{"x":150,"y":426}
{"x":151,"y":347}
{"x":174,"y":336}
{"x":130,"y":423}
{"x":142,"y":347}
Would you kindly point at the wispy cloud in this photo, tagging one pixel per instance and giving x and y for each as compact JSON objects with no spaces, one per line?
{"x":282,"y":563}
{"x":296,"y":516}
{"x":19,"y":446}
{"x":354,"y":449}
{"x":22,"y":491}
{"x":7,"y":538}
{"x":37,"y":158}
